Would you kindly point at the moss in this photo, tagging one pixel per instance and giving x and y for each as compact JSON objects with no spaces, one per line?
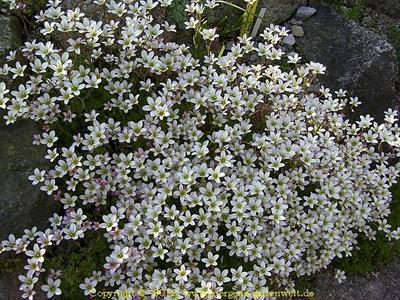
{"x":228,"y":19}
{"x":394,"y":37}
{"x":10,"y":263}
{"x":34,"y":6}
{"x":78,"y":261}
{"x":305,"y":283}
{"x":225,"y":17}
{"x":354,"y":13}
{"x":176,"y":14}
{"x":353,"y":10}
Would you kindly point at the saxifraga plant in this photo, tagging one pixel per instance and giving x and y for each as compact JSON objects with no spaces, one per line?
{"x":204,"y":175}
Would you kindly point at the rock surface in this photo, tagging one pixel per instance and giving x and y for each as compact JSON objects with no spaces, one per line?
{"x":9,"y":287}
{"x":305,"y":12}
{"x":10,"y":32}
{"x":278,"y":11}
{"x":390,"y":7}
{"x":297,"y":30}
{"x":289,"y":40}
{"x":357,"y":59}
{"x":383,"y":285}
{"x":22,"y":205}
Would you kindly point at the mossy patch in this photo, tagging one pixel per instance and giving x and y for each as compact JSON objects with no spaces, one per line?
{"x":394,"y":38}
{"x":353,"y":10}
{"x":77,"y":260}
{"x":10,"y":263}
{"x":177,"y":15}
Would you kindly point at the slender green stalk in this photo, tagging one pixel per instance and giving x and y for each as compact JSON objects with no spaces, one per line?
{"x":240,"y":8}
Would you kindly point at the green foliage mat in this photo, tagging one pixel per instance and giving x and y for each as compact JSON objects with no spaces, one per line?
{"x":394,"y":38}
{"x":76,"y":260}
{"x":352,"y":10}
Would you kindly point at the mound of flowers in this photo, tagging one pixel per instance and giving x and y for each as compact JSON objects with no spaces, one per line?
{"x":204,"y":174}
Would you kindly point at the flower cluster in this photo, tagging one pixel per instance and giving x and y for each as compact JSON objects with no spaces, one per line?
{"x":202,"y":173}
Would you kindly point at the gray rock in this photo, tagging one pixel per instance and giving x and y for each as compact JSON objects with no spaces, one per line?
{"x":9,"y":287}
{"x":368,"y":21}
{"x":278,"y":11}
{"x":305,"y":12}
{"x":254,"y":57}
{"x":22,"y":205}
{"x":382,"y":285}
{"x":389,"y":7}
{"x":10,"y":32}
{"x":297,"y":31}
{"x":289,"y":40}
{"x":229,"y":45}
{"x":357,"y":59}
{"x":296,"y":22}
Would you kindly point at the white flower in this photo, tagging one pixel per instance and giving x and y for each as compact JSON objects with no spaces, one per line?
{"x":49,"y":186}
{"x":216,"y":174}
{"x":205,"y":289}
{"x":73,"y":232}
{"x":18,"y":70}
{"x":316,"y":68}
{"x":89,"y":287}
{"x":49,"y":139}
{"x":52,"y":287}
{"x":192,"y":24}
{"x":28,"y":281}
{"x":211,"y":259}
{"x":340,"y":276}
{"x":209,"y":34}
{"x":155,"y":229}
{"x":38,"y":176}
{"x":182,"y":273}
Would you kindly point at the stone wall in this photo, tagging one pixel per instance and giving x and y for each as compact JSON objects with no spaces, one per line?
{"x":22,"y":205}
